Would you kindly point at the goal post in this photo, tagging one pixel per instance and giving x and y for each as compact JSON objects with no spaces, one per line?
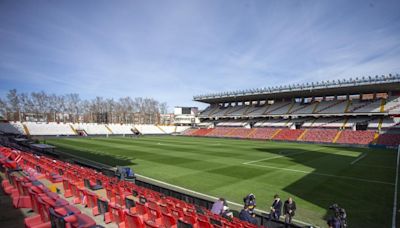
{"x":395,"y":189}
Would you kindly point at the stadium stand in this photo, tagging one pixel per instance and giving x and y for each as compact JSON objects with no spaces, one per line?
{"x":12,"y":128}
{"x":355,"y":111}
{"x":233,"y":124}
{"x":38,"y":128}
{"x":255,"y":110}
{"x":30,"y":178}
{"x":73,"y":129}
{"x":121,"y":129}
{"x":239,"y":132}
{"x":279,"y":108}
{"x":288,"y":134}
{"x":356,"y":137}
{"x":263,"y":133}
{"x":149,"y":129}
{"x":389,"y":139}
{"x":92,"y":128}
{"x":319,"y":135}
{"x":202,"y":132}
{"x":220,"y":132}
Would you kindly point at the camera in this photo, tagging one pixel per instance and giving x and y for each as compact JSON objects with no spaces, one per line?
{"x":339,"y":215}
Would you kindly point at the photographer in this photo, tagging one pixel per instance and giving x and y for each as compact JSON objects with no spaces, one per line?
{"x":339,"y":217}
{"x":250,"y":202}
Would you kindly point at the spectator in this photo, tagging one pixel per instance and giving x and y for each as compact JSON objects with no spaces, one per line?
{"x":227,"y":214}
{"x":245,"y":215}
{"x":334,"y":222}
{"x":218,"y":206}
{"x":250,"y":202}
{"x":276,"y":208}
{"x":289,"y":208}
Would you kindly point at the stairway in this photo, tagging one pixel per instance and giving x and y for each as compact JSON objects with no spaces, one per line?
{"x":26,"y":130}
{"x":337,"y":136}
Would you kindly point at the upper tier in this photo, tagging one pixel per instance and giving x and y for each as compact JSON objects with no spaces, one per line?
{"x":377,"y":84}
{"x":380,"y":106}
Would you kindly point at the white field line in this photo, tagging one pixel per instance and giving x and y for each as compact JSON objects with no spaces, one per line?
{"x":359,"y":158}
{"x":324,"y":174}
{"x":209,"y":197}
{"x":395,"y":191}
{"x":274,"y":157}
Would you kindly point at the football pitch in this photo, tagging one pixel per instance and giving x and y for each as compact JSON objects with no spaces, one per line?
{"x":359,"y":179}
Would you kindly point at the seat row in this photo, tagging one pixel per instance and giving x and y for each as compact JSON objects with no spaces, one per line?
{"x":27,"y":191}
{"x":120,"y":202}
{"x":321,"y":135}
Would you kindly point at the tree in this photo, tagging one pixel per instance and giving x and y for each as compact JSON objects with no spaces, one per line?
{"x":3,"y":110}
{"x":13,"y":104}
{"x":70,"y":107}
{"x":163,"y":108}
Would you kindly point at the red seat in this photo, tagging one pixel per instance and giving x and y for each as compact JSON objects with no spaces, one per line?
{"x":177,"y":213}
{"x":67,"y":210}
{"x":133,"y":221}
{"x":22,"y":200}
{"x":91,"y":202}
{"x":42,"y":219}
{"x":151,"y":224}
{"x":140,"y":209}
{"x":153,"y":213}
{"x":67,"y":188}
{"x":111,"y":194}
{"x":203,"y":224}
{"x":167,"y":220}
{"x":117,"y":214}
{"x":164,"y":209}
{"x":80,"y":220}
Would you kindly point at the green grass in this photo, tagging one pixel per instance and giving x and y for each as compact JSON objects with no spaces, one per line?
{"x":315,"y":175}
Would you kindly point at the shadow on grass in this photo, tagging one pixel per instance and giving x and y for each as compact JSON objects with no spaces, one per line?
{"x":99,"y":157}
{"x":360,"y":196}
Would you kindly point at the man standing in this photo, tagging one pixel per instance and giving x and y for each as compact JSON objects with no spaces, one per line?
{"x":276,"y":208}
{"x":289,"y":208}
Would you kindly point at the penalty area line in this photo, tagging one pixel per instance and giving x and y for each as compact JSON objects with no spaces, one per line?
{"x":359,"y":158}
{"x":271,"y":158}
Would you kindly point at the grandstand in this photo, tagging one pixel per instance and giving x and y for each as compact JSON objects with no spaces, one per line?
{"x":356,"y":113}
{"x":85,"y":129}
{"x":360,"y":111}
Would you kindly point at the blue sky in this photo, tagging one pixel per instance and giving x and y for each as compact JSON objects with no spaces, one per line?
{"x":172,"y":50}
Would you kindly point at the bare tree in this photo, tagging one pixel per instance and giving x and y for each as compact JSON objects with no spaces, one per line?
{"x":3,"y":109}
{"x":39,"y":106}
{"x":163,"y":108}
{"x":13,"y":105}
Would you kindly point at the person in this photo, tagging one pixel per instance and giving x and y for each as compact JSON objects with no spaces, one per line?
{"x":250,"y":202}
{"x":334,"y":222}
{"x":217,"y":207}
{"x":276,"y":208}
{"x":289,"y":208}
{"x":227,"y":214}
{"x":245,"y":215}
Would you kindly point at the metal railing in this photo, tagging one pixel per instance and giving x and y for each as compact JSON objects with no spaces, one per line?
{"x":305,"y":86}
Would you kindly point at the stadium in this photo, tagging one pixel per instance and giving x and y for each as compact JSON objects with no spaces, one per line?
{"x":138,"y":114}
{"x":316,"y":142}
